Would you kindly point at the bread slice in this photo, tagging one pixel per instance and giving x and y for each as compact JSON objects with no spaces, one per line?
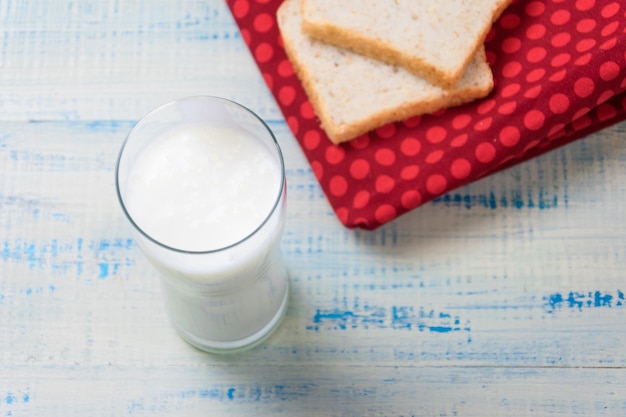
{"x":353,"y":94}
{"x":435,"y":39}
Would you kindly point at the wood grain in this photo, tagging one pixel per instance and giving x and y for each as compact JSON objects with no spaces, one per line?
{"x":503,"y":298}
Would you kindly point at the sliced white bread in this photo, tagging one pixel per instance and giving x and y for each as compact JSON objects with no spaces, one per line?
{"x":435,"y":39}
{"x":353,"y":94}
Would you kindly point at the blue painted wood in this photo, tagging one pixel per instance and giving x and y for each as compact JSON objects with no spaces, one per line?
{"x":503,"y":298}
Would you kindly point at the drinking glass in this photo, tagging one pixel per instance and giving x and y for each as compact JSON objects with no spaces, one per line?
{"x":220,"y":298}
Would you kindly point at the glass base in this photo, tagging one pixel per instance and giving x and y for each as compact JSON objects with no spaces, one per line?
{"x":238,"y":345}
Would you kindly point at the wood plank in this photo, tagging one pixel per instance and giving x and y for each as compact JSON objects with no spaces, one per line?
{"x":119,"y":60}
{"x":535,"y":288}
{"x":315,"y":390}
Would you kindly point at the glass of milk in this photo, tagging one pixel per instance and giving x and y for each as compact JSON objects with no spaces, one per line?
{"x":202,"y":182}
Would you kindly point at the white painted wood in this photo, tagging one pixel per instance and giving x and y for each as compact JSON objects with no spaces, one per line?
{"x":118,"y":59}
{"x":506,"y":298}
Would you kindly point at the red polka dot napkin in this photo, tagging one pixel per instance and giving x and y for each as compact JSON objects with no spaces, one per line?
{"x":560,"y":74}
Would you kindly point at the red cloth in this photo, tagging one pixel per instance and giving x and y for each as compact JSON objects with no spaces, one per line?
{"x":560,"y":73}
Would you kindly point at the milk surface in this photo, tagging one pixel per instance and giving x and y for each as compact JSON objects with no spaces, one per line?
{"x":200,"y":187}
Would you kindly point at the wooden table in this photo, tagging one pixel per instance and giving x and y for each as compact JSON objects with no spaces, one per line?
{"x":504,"y":298}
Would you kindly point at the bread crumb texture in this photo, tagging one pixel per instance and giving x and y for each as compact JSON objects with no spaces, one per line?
{"x":435,"y":40}
{"x":353,"y":94}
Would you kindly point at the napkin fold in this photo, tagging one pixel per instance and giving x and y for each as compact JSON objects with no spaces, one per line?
{"x":560,"y":74}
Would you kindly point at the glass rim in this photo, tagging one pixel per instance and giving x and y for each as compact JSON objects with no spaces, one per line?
{"x":275,"y":206}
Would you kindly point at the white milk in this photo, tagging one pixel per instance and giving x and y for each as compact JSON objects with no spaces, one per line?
{"x":200,"y":188}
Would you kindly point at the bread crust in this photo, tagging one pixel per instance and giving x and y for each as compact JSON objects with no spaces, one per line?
{"x":372,"y":47}
{"x":346,"y":38}
{"x":410,"y":107}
